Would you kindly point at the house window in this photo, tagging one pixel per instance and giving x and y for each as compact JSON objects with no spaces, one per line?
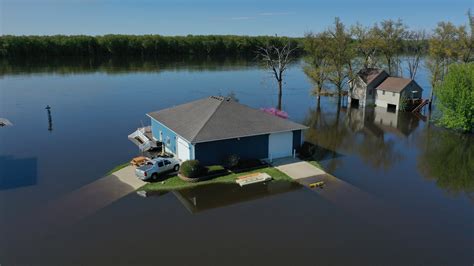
{"x":370,"y":92}
{"x":161,"y":135}
{"x":168,"y":140}
{"x":383,"y":92}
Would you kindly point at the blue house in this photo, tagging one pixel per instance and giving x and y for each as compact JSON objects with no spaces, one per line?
{"x":211,"y":129}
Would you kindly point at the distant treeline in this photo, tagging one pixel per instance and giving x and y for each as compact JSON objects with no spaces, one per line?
{"x":146,"y":45}
{"x":132,"y":45}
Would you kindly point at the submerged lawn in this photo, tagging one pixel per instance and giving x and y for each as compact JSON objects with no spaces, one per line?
{"x":174,"y":183}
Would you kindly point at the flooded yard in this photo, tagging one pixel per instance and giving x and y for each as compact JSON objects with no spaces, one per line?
{"x":419,"y":178}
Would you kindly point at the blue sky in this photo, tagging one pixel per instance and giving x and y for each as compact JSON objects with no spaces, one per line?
{"x":244,"y":17}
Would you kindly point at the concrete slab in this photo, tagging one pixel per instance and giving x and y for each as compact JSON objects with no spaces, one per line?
{"x":296,"y":168}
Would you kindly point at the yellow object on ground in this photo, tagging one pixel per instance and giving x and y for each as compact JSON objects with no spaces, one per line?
{"x":319,"y":184}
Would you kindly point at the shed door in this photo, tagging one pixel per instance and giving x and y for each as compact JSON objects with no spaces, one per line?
{"x":183,"y":151}
{"x":280,"y":145}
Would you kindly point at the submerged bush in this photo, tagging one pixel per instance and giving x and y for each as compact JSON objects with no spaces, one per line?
{"x":455,"y":97}
{"x":191,"y":169}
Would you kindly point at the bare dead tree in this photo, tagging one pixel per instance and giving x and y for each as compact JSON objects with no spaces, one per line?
{"x":418,"y":38}
{"x":277,"y":59}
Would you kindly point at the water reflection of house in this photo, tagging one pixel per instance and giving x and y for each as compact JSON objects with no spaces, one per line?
{"x":378,"y":121}
{"x":220,"y":195}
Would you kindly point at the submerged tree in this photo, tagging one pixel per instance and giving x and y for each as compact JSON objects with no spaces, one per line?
{"x":444,"y":49}
{"x":316,"y":67}
{"x":340,"y":54}
{"x":367,"y":44}
{"x":391,"y":34}
{"x":418,"y":39}
{"x":277,"y":59}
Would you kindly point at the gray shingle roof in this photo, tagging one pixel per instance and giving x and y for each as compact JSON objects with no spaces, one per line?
{"x":369,"y":74}
{"x":394,"y":84}
{"x":217,"y":118}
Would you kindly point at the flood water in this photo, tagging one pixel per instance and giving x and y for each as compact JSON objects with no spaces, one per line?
{"x":54,"y":209}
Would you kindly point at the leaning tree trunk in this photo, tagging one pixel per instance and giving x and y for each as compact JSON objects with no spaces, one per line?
{"x":280,"y":93}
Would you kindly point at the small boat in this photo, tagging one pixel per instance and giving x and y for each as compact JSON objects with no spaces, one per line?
{"x":144,"y":139}
{"x":253,"y":178}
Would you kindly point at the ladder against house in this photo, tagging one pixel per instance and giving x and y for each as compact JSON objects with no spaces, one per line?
{"x":421,"y":105}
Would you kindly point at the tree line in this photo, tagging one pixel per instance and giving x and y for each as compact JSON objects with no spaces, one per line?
{"x":136,"y":45}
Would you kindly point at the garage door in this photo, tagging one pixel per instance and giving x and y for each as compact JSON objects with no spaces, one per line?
{"x":280,"y":145}
{"x":183,"y":151}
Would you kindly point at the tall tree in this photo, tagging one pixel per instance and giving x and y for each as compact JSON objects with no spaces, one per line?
{"x":316,"y":67}
{"x":367,"y":44}
{"x":277,"y":59}
{"x":466,"y":40}
{"x":391,"y":34}
{"x":417,"y":40}
{"x":340,"y":54}
{"x":443,"y":50}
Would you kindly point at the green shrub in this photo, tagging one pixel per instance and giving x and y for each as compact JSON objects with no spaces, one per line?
{"x":215,"y":169}
{"x":191,"y":169}
{"x":455,"y":98}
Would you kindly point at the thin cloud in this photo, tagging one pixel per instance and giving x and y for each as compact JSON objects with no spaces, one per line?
{"x":241,"y":18}
{"x":276,"y":13}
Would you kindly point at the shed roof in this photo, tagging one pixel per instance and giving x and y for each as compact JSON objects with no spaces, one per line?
{"x":394,"y":84}
{"x":216,"y":118}
{"x":369,"y":74}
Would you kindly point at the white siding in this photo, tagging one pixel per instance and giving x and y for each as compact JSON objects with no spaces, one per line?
{"x":389,"y":97}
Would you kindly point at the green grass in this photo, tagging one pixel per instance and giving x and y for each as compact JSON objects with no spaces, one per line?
{"x":315,"y":163}
{"x":174,"y":183}
{"x":116,"y":168}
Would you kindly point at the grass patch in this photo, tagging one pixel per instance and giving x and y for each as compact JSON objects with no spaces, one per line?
{"x":116,"y":168}
{"x":315,"y":163}
{"x":174,"y":183}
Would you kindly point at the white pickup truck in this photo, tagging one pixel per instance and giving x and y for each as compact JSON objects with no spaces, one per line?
{"x":152,"y":168}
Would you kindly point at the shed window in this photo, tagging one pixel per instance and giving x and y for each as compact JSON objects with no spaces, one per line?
{"x":383,"y":92}
{"x":393,"y":94}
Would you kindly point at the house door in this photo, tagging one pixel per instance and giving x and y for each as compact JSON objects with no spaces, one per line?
{"x":182,"y":149}
{"x":280,"y":145}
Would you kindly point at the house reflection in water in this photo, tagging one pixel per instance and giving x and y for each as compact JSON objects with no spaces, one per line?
{"x":213,"y":196}
{"x":379,"y":121}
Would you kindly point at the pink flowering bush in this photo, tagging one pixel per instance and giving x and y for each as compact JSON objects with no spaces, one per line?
{"x":275,"y":112}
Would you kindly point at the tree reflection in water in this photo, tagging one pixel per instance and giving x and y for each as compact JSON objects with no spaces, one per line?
{"x":360,"y":131}
{"x":448,"y":159}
